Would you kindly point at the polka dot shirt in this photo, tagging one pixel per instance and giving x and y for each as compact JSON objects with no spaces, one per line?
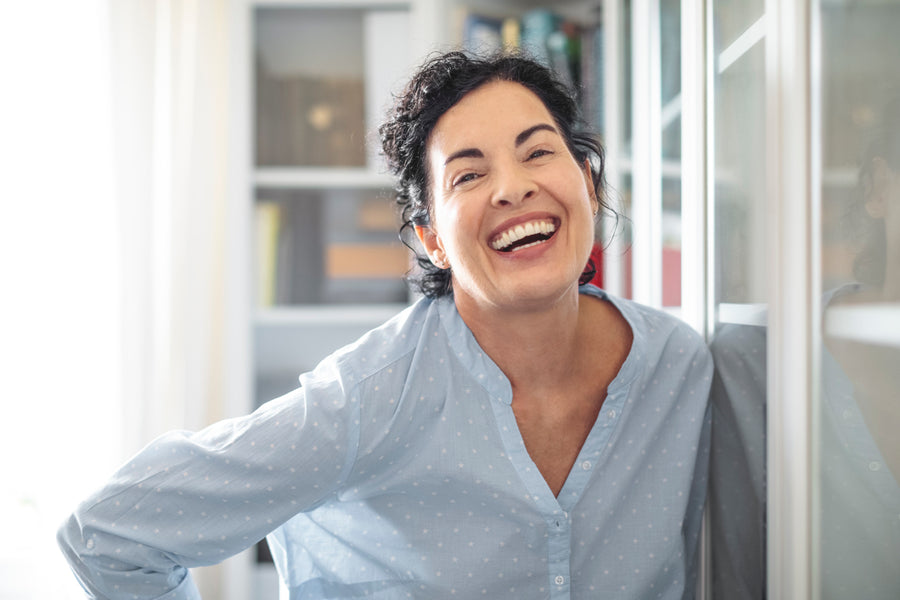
{"x":396,"y":470}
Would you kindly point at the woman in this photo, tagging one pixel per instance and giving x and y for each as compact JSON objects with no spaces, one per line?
{"x":512,"y":434}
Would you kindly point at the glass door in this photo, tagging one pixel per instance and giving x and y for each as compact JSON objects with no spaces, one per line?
{"x":804,"y":199}
{"x":856,"y":409}
{"x":643,"y":253}
{"x":736,"y":191}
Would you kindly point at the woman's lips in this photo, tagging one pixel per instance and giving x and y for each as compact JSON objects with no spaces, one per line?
{"x":524,"y":235}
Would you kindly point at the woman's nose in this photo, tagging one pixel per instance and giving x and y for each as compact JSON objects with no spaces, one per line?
{"x":514,"y":185}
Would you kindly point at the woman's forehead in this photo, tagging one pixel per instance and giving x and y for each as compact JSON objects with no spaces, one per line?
{"x":497,"y":107}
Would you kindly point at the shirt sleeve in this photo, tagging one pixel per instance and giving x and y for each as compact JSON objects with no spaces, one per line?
{"x":193,"y":499}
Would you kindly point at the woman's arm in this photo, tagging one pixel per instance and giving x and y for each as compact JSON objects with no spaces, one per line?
{"x":192,"y":499}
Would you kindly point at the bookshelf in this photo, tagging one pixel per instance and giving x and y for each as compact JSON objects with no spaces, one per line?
{"x":316,"y":257}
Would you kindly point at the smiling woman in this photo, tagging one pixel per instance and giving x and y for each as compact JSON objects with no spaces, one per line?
{"x":513,"y":175}
{"x":511,"y":434}
{"x":432,"y":93}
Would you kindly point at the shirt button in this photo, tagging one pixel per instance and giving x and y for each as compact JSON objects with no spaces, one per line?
{"x":560,"y":580}
{"x":874,"y":465}
{"x":612,"y":414}
{"x":586,"y":465}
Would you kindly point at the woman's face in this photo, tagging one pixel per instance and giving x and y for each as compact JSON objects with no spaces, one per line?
{"x":512,"y":211}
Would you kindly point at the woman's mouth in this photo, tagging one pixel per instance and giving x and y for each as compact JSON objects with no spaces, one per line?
{"x":524,"y":235}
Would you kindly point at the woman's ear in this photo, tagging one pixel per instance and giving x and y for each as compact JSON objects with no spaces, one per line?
{"x":589,"y":184}
{"x":431,"y":242}
{"x":877,"y":197}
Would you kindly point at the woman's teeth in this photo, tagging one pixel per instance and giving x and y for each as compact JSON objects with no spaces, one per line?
{"x":521,"y":236}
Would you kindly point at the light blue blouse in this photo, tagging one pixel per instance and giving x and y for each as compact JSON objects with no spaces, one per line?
{"x":396,"y":470}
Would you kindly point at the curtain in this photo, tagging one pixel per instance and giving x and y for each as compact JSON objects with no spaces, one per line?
{"x":170,"y":96}
{"x":113,"y":208}
{"x":169,"y":68}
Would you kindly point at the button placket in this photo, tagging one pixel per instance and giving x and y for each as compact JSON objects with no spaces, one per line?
{"x":560,"y":548}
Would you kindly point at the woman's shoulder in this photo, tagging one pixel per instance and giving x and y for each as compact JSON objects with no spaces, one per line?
{"x":387,"y":343}
{"x":649,"y":324}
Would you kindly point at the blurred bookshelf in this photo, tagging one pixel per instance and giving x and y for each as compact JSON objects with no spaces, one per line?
{"x":316,"y":229}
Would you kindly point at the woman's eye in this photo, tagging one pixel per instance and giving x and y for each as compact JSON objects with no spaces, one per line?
{"x":539,"y":153}
{"x":465,"y":178}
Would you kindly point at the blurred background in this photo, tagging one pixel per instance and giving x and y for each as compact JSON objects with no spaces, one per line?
{"x":193,"y":211}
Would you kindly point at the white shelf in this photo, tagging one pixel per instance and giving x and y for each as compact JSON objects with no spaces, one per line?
{"x":320,"y":178}
{"x":326,"y":314}
{"x":742,"y":314}
{"x":291,"y":340}
{"x":840,"y":177}
{"x":877,"y":324}
{"x":669,"y":168}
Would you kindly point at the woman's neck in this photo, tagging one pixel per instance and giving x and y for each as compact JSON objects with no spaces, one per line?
{"x":541,"y":349}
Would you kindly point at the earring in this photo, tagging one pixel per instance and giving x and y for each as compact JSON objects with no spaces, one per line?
{"x":439,"y":260}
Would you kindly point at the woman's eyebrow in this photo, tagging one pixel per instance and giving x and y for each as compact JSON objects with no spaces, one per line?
{"x":464,"y":153}
{"x":520,"y":139}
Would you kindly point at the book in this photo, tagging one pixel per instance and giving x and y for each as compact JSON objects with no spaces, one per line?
{"x":537,"y":26}
{"x":592,"y":77}
{"x":511,"y":33}
{"x":482,"y":34}
{"x":268,"y":225}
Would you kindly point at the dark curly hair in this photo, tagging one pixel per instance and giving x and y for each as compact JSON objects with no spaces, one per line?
{"x":437,"y":86}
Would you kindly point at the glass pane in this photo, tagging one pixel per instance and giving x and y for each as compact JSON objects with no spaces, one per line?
{"x":330,"y":246}
{"x":671,"y":242}
{"x":310,"y":87}
{"x":857,"y":521}
{"x":627,"y":123}
{"x":738,"y":458}
{"x":733,"y":18}
{"x":739,"y":179}
{"x":670,"y":87}
{"x":616,"y":234}
{"x":626,"y":233}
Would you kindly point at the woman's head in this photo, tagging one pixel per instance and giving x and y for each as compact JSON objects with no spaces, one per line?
{"x":440,"y":84}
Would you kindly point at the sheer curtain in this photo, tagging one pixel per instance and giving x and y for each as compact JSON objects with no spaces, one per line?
{"x":169,"y":73}
{"x":113,"y":245}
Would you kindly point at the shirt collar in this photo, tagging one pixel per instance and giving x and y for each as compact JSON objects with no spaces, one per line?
{"x":475,"y":360}
{"x":470,"y":354}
